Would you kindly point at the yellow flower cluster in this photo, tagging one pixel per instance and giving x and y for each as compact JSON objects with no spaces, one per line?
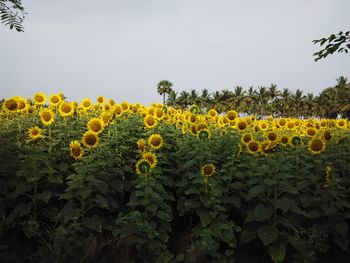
{"x":257,"y":136}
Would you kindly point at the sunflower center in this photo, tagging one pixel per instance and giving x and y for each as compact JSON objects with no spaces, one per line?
{"x":253,"y":146}
{"x":242,"y":125}
{"x":284,"y":139}
{"x":35,"y":132}
{"x":327,"y":135}
{"x":150,"y":121}
{"x":76,"y":151}
{"x":39,"y":98}
{"x":47,"y":116}
{"x":86,"y":104}
{"x":90,"y":140}
{"x":272,"y":136}
{"x":55,"y":99}
{"x":66,"y":108}
{"x":311,"y":132}
{"x":316,"y":145}
{"x":95,"y":126}
{"x":247,"y":138}
{"x":11,"y":104}
{"x":155,"y":141}
{"x":208,"y":170}
{"x":231,"y":116}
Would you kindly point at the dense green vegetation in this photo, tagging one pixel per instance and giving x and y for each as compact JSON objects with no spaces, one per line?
{"x":264,"y":101}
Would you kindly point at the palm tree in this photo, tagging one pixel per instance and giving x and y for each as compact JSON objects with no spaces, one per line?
{"x":250,"y":101}
{"x":183,"y":99}
{"x":310,"y":105}
{"x":204,"y":98}
{"x":298,"y":101}
{"x":193,"y":98}
{"x":173,"y":100}
{"x":286,"y":98}
{"x":237,"y":99}
{"x":218,"y":102}
{"x":164,"y":87}
{"x":262,"y":99}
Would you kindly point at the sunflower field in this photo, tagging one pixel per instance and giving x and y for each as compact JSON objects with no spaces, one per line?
{"x":121,"y":182}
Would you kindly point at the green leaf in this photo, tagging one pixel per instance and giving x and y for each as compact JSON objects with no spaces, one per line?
{"x":204,"y":216}
{"x":163,"y":216}
{"x":256,"y":190}
{"x":44,"y":196}
{"x":262,"y":213}
{"x":93,"y":223}
{"x":277,"y":253}
{"x":20,"y":210}
{"x":283,"y":204}
{"x":268,"y":234}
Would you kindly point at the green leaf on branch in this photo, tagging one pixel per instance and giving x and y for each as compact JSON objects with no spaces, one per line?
{"x":268,"y":234}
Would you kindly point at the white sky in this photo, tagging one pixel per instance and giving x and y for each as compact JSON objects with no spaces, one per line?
{"x":122,"y":49}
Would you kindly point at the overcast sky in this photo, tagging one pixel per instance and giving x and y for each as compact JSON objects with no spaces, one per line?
{"x":122,"y":49}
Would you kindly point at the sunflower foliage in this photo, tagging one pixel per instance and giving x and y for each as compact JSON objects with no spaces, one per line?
{"x":111,"y":181}
{"x":145,"y":224}
{"x":200,"y":203}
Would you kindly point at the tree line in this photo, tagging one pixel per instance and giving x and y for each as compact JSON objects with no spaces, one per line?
{"x":332,"y":102}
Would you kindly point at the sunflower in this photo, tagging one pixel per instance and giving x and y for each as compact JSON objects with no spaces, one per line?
{"x":272,"y":136}
{"x":323,"y":123}
{"x":204,"y":134}
{"x":35,"y":133}
{"x":20,"y":102}
{"x":55,"y":100}
{"x":105,"y":117}
{"x":150,"y":121}
{"x":118,"y":111}
{"x":111,"y":102}
{"x":232,"y":115}
{"x":282,"y":122}
{"x":341,"y":123}
{"x":253,"y":147}
{"x":141,"y":144}
{"x":284,"y":139}
{"x":311,"y":131}
{"x":246,"y":138}
{"x":242,"y":125}
{"x":194,"y":109}
{"x":316,"y":145}
{"x":10,"y":105}
{"x":125,"y":105}
{"x":101,"y":100}
{"x":192,"y":118}
{"x":66,"y":109}
{"x":265,"y":149}
{"x":90,"y":139}
{"x":46,"y":116}
{"x":39,"y":98}
{"x":86,"y":104}
{"x":263,"y":125}
{"x":202,"y":126}
{"x":208,"y":169}
{"x":155,"y":141}
{"x":159,"y":114}
{"x":327,"y":135}
{"x":193,"y":129}
{"x":151,"y":157}
{"x":75,"y":150}
{"x":290,"y":124}
{"x":95,"y":125}
{"x":212,"y":113}
{"x":143,"y":167}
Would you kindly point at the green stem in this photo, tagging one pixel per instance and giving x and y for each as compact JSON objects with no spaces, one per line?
{"x":50,"y":139}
